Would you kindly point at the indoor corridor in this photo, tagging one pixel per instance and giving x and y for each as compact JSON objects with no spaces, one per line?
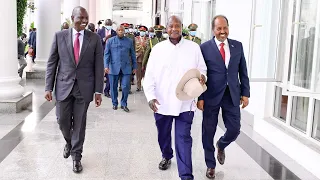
{"x":122,"y":145}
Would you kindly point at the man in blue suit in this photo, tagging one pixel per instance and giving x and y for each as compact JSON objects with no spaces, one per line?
{"x":105,"y":33}
{"x":228,"y":87}
{"x":118,"y":58}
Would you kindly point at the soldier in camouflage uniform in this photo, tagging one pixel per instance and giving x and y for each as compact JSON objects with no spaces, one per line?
{"x":192,"y":34}
{"x":151,"y":43}
{"x":141,"y":45}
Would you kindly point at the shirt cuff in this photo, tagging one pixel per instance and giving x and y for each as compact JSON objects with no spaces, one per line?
{"x":150,"y":97}
{"x":97,"y":93}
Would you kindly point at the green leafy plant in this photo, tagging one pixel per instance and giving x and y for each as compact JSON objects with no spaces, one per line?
{"x":32,"y":25}
{"x":21,"y":11}
{"x":185,"y":30}
{"x":31,"y":6}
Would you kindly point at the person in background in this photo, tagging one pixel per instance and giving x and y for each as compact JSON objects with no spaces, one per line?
{"x":192,"y":34}
{"x":120,"y":60}
{"x":21,"y":48}
{"x":151,"y":32}
{"x":151,"y":43}
{"x":65,"y":25}
{"x":105,"y":33}
{"x":141,"y":45}
{"x":91,"y":27}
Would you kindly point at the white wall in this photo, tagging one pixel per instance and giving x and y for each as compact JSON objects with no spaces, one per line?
{"x":239,"y":16}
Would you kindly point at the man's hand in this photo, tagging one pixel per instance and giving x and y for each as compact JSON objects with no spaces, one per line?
{"x":244,"y":101}
{"x":48,"y":96}
{"x":200,"y":104}
{"x":152,"y":105}
{"x":106,"y":70}
{"x":98,"y":99}
{"x":202,"y":79}
{"x":134,"y":71}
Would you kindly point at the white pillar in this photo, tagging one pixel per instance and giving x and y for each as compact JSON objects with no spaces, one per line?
{"x":85,"y":4}
{"x":98,"y":14}
{"x":92,"y":11}
{"x":106,"y":9}
{"x":69,"y":5}
{"x":48,"y":18}
{"x":187,"y":12}
{"x":163,"y":20}
{"x":9,"y":79}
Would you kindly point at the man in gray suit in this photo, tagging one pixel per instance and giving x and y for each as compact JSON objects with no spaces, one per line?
{"x":75,"y":70}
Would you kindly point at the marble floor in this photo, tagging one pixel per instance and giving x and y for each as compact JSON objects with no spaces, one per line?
{"x":118,"y":146}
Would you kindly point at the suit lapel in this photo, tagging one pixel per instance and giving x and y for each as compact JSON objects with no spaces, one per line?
{"x":69,"y":43}
{"x":216,"y":50}
{"x":85,"y":43}
{"x":231,"y":48}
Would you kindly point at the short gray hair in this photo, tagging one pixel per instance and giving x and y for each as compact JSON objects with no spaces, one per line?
{"x":172,"y":18}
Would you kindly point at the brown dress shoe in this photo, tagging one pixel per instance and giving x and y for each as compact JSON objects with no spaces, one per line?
{"x":221,"y":155}
{"x":210,"y":173}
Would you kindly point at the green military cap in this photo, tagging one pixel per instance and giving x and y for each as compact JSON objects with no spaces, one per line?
{"x":192,"y":27}
{"x":158,"y":27}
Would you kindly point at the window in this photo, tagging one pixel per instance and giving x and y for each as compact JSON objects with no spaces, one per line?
{"x":300,"y":113}
{"x":281,"y":103}
{"x":316,"y":121}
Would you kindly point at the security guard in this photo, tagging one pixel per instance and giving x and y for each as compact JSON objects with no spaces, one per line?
{"x":152,"y":42}
{"x":141,"y":45}
{"x":192,"y":34}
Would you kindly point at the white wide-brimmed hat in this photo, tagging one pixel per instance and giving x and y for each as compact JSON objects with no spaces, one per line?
{"x":189,"y":86}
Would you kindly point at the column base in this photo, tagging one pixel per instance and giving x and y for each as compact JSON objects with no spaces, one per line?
{"x":16,"y":105}
{"x":36,"y":75}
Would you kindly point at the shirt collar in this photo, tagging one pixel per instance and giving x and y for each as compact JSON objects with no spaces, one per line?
{"x":74,"y":32}
{"x":179,"y":43}
{"x":218,"y":42}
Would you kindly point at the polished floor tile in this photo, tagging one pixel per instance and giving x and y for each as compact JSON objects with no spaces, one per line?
{"x":118,"y":146}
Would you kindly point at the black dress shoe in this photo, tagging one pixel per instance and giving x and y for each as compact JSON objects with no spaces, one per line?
{"x":164,"y":164}
{"x":120,"y":89}
{"x":130,"y":92}
{"x":125,"y":108}
{"x":66,"y":150}
{"x":221,"y":155}
{"x":210,"y":173}
{"x":77,"y":167}
{"x":114,"y":107}
{"x":138,"y":90}
{"x":107,"y":95}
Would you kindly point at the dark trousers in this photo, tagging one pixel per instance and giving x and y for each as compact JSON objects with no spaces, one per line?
{"x":231,"y":119}
{"x":183,"y":140}
{"x":125,"y":83}
{"x":107,"y":86}
{"x":72,"y":116}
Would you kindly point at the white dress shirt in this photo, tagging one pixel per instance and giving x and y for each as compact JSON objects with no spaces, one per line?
{"x":74,"y":36}
{"x":226,"y":50}
{"x":166,"y":66}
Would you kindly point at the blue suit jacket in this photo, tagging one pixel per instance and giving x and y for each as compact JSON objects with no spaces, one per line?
{"x":119,"y":55}
{"x":102,"y":33}
{"x":236,"y":76}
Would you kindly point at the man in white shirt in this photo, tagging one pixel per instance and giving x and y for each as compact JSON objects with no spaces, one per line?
{"x":168,"y":62}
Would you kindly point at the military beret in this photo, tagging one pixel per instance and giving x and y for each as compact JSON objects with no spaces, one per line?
{"x":143,"y":28}
{"x":158,"y":27}
{"x":126,"y":25}
{"x":192,"y":27}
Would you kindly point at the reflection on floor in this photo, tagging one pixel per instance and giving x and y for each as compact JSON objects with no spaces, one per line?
{"x":118,"y":146}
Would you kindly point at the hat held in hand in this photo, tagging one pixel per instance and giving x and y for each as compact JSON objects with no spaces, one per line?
{"x":189,"y":86}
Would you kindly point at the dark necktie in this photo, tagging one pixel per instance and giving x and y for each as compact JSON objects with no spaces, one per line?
{"x":222,"y":52}
{"x":76,"y":48}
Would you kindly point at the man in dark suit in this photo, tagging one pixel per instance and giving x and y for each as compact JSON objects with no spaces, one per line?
{"x":33,"y":42}
{"x":75,"y":72}
{"x":225,"y":62}
{"x":105,"y":33}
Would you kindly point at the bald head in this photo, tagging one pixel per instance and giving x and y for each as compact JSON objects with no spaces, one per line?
{"x":174,"y":27}
{"x":80,"y":18}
